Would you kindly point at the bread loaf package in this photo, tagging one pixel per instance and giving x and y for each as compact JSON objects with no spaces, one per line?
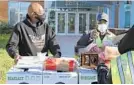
{"x":60,"y":64}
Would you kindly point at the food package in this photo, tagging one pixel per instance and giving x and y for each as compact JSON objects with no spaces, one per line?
{"x":31,"y":62}
{"x":94,"y":49}
{"x":60,"y":64}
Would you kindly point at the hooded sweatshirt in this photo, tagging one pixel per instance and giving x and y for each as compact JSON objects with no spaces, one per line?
{"x":27,"y":39}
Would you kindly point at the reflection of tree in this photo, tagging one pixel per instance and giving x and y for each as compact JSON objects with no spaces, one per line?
{"x":13,"y":16}
{"x":82,"y":23}
{"x":71,"y":23}
{"x":61,"y":22}
{"x":22,"y":17}
{"x":52,"y":14}
{"x":52,"y":19}
{"x":92,"y":21}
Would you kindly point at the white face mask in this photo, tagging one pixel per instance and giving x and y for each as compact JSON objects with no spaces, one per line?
{"x":102,"y":28}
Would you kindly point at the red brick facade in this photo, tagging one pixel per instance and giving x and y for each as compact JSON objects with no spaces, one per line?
{"x":4,"y":11}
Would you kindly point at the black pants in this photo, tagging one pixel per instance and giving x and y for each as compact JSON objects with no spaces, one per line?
{"x":104,"y":74}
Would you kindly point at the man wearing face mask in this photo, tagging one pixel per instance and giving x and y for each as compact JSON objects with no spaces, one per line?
{"x":32,"y":35}
{"x":102,"y":31}
{"x":103,"y":37}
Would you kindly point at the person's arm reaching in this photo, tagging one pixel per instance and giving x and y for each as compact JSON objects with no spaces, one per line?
{"x":53,"y":44}
{"x":12,"y":44}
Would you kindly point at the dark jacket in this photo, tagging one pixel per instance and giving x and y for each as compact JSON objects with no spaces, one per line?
{"x":127,"y":42}
{"x":29,"y":40}
{"x":85,"y":40}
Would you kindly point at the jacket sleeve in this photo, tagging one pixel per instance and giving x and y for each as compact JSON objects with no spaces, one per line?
{"x":52,"y":43}
{"x":127,"y":42}
{"x":12,"y":44}
{"x":85,"y":40}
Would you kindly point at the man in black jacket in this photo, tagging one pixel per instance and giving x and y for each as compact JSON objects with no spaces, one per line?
{"x":32,"y":35}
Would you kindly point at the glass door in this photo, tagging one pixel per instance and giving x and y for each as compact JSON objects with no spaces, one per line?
{"x":61,"y":23}
{"x":66,"y":23}
{"x":92,"y":20}
{"x":82,"y":22}
{"x":71,"y":23}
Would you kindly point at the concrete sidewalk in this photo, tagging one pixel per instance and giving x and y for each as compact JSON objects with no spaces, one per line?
{"x":67,"y":43}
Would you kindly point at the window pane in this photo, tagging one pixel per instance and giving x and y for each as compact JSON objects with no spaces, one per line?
{"x":51,"y":19}
{"x":61,"y":22}
{"x":24,"y":6}
{"x":82,"y":23}
{"x":13,"y":4}
{"x":92,"y":18}
{"x":13,"y":12}
{"x":71,"y":23}
{"x":49,"y":4}
{"x":13,"y":16}
{"x":127,"y":19}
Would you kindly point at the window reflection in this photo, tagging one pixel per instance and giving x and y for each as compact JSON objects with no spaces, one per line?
{"x":82,"y":22}
{"x":71,"y":22}
{"x":61,"y":22}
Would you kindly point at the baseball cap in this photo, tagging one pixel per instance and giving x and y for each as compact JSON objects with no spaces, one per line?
{"x":103,"y":16}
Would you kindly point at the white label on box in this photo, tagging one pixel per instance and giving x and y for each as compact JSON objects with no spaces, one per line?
{"x":52,"y":77}
{"x":87,"y":79}
{"x":24,"y":79}
{"x":87,"y":76}
{"x":21,"y":77}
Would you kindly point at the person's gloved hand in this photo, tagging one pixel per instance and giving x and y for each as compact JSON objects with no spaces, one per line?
{"x":94,"y":34}
{"x":16,"y":58}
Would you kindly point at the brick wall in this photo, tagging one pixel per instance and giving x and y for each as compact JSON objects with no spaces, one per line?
{"x":4,"y":11}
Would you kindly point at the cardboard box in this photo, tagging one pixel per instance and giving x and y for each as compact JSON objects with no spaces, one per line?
{"x":53,"y":77}
{"x":87,"y":76}
{"x":19,"y":76}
